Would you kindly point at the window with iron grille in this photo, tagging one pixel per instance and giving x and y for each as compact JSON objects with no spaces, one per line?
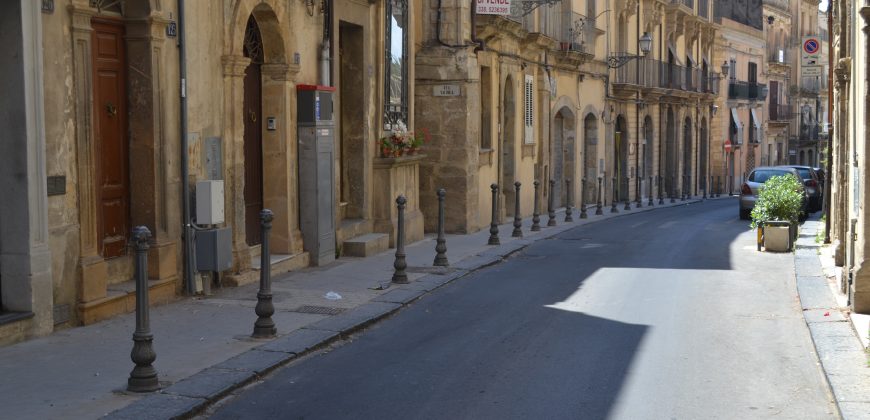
{"x":529,"y":101}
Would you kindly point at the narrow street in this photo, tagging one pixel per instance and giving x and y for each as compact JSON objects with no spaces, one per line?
{"x":658,"y":315}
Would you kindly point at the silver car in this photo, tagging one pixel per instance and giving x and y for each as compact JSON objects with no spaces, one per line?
{"x":749,"y":189}
{"x":811,"y":184}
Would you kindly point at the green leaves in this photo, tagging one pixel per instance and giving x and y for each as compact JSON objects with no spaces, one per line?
{"x":780,"y":198}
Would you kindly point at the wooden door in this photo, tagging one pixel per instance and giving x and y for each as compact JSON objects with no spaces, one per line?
{"x":253,"y":135}
{"x":110,"y":135}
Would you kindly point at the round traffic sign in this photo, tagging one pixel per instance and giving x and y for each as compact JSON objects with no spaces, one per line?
{"x":811,"y":46}
{"x":727,"y":145}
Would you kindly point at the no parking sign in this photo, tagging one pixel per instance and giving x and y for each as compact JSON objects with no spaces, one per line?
{"x":810,"y":51}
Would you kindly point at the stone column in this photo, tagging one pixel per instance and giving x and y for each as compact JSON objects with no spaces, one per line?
{"x":92,"y":269}
{"x":234,"y":157}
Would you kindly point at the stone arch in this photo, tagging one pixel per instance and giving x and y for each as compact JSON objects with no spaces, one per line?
{"x":590,"y":156}
{"x":562,"y":155}
{"x":278,"y":150}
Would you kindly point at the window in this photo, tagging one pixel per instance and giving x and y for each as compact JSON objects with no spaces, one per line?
{"x":396,"y":66}
{"x":733,"y":69}
{"x":753,"y":73}
{"x":529,"y":102}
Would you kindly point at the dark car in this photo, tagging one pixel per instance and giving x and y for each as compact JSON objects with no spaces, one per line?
{"x":749,"y":189}
{"x":811,"y":182}
{"x":821,"y":174}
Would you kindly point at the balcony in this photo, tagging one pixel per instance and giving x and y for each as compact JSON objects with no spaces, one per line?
{"x":779,"y":113}
{"x":688,"y":3}
{"x":746,"y":90}
{"x":778,"y":56}
{"x":575,"y":33}
{"x":651,"y":73}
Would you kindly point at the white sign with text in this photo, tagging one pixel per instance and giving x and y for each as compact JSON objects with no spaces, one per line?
{"x":493,"y":7}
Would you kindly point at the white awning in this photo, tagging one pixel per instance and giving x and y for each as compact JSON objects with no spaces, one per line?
{"x":755,"y":119}
{"x":736,"y":118}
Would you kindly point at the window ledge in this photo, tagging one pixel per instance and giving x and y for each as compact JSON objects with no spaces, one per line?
{"x":10,"y":317}
{"x":529,"y":150}
{"x":485,"y":157}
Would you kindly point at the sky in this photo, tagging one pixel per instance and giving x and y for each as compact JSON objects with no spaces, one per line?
{"x":823,"y":6}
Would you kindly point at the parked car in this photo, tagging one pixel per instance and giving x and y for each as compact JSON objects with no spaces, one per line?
{"x":749,"y":189}
{"x":821,"y":174}
{"x":810,"y":179}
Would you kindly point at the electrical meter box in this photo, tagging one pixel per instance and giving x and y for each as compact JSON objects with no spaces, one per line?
{"x":316,"y":133}
{"x":209,"y":202}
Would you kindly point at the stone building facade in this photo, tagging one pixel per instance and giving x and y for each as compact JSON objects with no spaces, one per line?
{"x":849,"y":221}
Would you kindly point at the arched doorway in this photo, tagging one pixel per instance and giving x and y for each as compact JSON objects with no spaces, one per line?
{"x":562,"y":154}
{"x":253,"y":134}
{"x":620,"y":158}
{"x":801,"y":158}
{"x":686,"y":185}
{"x":508,"y":148}
{"x":670,"y":150}
{"x":703,"y":153}
{"x":590,"y":157}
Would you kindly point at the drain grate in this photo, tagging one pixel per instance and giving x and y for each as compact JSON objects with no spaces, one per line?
{"x":318,"y":310}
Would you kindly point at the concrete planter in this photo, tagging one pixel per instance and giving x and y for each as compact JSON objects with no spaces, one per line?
{"x":777,"y":238}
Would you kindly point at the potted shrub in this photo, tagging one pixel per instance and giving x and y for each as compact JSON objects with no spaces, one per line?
{"x":777,"y":210}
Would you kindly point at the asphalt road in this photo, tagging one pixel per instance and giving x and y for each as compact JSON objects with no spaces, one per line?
{"x":668,"y":314}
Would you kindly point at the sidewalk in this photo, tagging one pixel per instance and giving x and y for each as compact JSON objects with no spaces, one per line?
{"x":840,"y":337}
{"x":203,"y":344}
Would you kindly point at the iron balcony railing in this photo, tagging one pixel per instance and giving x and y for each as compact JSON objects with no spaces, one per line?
{"x":779,"y":112}
{"x":811,"y":85}
{"x":746,"y":90}
{"x":652,"y":73}
{"x":688,"y":3}
{"x":575,"y":33}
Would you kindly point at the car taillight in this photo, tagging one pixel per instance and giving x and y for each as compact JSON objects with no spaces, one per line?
{"x":745,"y":190}
{"x":811,"y":183}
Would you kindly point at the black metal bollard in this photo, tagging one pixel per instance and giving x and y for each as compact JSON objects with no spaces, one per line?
{"x":143,"y":378}
{"x":441,"y":242}
{"x":598,"y":210}
{"x":613,"y":197}
{"x":568,"y":204}
{"x":551,"y":205}
{"x":673,"y":189}
{"x":637,"y":194}
{"x":627,"y":195}
{"x":493,"y":226}
{"x":399,"y":275}
{"x":683,"y":188}
{"x":650,"y":192}
{"x":264,"y":327}
{"x":583,"y":214}
{"x":660,"y":188}
{"x":518,"y":221}
{"x":705,"y":190}
{"x":718,"y":185}
{"x":536,"y":215}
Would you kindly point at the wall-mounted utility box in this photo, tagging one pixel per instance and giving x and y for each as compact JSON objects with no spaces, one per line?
{"x":315,"y":104}
{"x":209,"y":202}
{"x":214,"y":249}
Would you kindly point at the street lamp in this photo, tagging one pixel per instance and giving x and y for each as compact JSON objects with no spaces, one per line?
{"x":725,"y":68}
{"x":645,"y":45}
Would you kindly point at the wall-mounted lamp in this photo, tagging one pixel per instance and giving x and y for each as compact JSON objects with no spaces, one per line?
{"x":619,"y":60}
{"x":713,"y":109}
{"x":725,"y":68}
{"x":770,"y":20}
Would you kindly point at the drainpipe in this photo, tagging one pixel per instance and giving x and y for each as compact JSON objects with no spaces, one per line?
{"x":830,"y":154}
{"x":187,"y":230}
{"x":324,"y":47}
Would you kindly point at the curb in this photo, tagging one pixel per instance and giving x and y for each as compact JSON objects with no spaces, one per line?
{"x":838,"y":348}
{"x":191,"y":396}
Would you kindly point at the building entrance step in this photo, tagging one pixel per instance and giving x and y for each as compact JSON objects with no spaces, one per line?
{"x":366,"y":245}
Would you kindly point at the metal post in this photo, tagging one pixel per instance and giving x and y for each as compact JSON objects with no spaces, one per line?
{"x":551,"y":205}
{"x":683,"y":188}
{"x":660,"y":187}
{"x":705,"y":189}
{"x":718,"y":185}
{"x":536,"y":215}
{"x":613,"y":208}
{"x":650,"y":192}
{"x":400,"y":265}
{"x":441,"y":242}
{"x":143,"y":378}
{"x":493,"y":226}
{"x":639,"y":186}
{"x":568,"y":205}
{"x":598,"y":210}
{"x":673,"y":191}
{"x":627,"y":195}
{"x":583,"y":214}
{"x":264,"y":327}
{"x":518,"y":221}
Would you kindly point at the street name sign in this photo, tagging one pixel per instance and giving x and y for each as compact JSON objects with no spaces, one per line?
{"x":493,"y":7}
{"x":445,"y":90}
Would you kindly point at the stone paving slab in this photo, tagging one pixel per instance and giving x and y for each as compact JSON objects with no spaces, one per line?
{"x":299,"y":341}
{"x":814,"y":292}
{"x":211,"y":383}
{"x":256,"y":360}
{"x":158,"y":406}
{"x":823,"y":315}
{"x":855,"y":410}
{"x":355,"y":318}
{"x":402,"y":296}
